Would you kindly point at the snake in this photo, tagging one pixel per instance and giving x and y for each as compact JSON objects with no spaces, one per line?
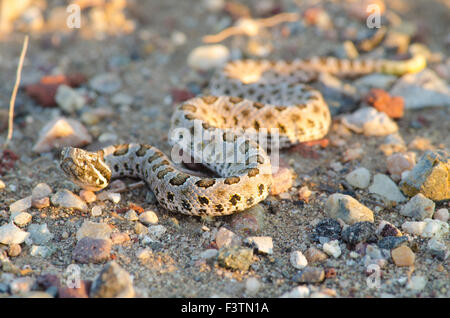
{"x":254,"y":108}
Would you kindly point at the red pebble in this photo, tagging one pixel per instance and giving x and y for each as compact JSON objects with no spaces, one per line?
{"x":180,"y":95}
{"x":393,"y":106}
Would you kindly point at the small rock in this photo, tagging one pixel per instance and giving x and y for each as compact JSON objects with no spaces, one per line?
{"x":131,"y":216}
{"x":96,"y":211}
{"x":226,"y":238}
{"x":283,"y":180}
{"x":359,"y":232}
{"x":441,"y":215}
{"x":370,"y":122}
{"x":122,"y":99}
{"x":40,"y":203}
{"x":140,"y":228}
{"x":91,"y":250}
{"x":21,"y":285}
{"x":14,"y":250}
{"x":430,"y":176}
{"x":297,"y":292}
{"x":11,"y":234}
{"x":375,"y":80}
{"x":62,"y":132}
{"x":107,"y":195}
{"x":20,"y":205}
{"x":420,"y":143}
{"x":148,"y":217}
{"x":353,"y":153}
{"x":332,"y":248}
{"x":417,"y":283}
{"x":41,"y":190}
{"x":88,"y":196}
{"x":387,"y":229}
{"x":400,"y":162}
{"x":40,"y":234}
{"x":156,"y":231}
{"x":118,"y":238}
{"x":383,"y":102}
{"x":69,"y":99}
{"x":2,"y":184}
{"x":391,"y":242}
{"x":309,"y":275}
{"x":422,"y":89}
{"x":249,"y":221}
{"x":42,"y":251}
{"x":252,"y":286}
{"x":403,"y":256}
{"x":21,"y":218}
{"x":415,"y":228}
{"x":235,"y":258}
{"x":208,"y":57}
{"x":298,"y":260}
{"x":113,"y":282}
{"x":66,"y":199}
{"x":329,"y":228}
{"x":359,"y":178}
{"x":383,"y":186}
{"x":435,"y":228}
{"x":347,"y":208}
{"x":209,"y":253}
{"x":313,"y":255}
{"x":393,"y":143}
{"x":418,"y":208}
{"x":106,"y":83}
{"x":438,"y":249}
{"x":81,"y":291}
{"x":94,"y":230}
{"x":263,"y":244}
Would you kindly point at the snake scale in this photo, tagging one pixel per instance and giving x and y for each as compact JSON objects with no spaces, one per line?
{"x":246,"y":95}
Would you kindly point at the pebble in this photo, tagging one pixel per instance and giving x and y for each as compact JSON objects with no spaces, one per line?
{"x":42,"y":251}
{"x":156,"y":231}
{"x":61,"y":132}
{"x":11,"y":234}
{"x":399,"y":162}
{"x":96,"y":211}
{"x":92,"y":250}
{"x":263,"y":244}
{"x":403,"y":256}
{"x":418,"y":208}
{"x":298,"y":260}
{"x":441,"y":215}
{"x":78,"y":292}
{"x":359,"y":178}
{"x":415,"y":228}
{"x":417,"y":283}
{"x":370,"y":122}
{"x":420,"y":143}
{"x":131,"y":216}
{"x":20,"y":205}
{"x":429,"y":176}
{"x":375,"y":80}
{"x":252,"y":286}
{"x":359,"y":232}
{"x":40,"y":203}
{"x":69,"y":99}
{"x":209,"y":253}
{"x":14,"y":250}
{"x":309,"y":275}
{"x":208,"y":57}
{"x":314,"y":255}
{"x":118,"y":238}
{"x":386,"y":188}
{"x":391,"y":242}
{"x":226,"y":238}
{"x":40,"y":234}
{"x":422,"y":89}
{"x":41,"y":190}
{"x":332,"y":248}
{"x":122,"y":99}
{"x":106,"y":83}
{"x":214,"y":5}
{"x":387,"y":229}
{"x":390,"y":105}
{"x":348,"y":209}
{"x":438,"y":249}
{"x":283,"y":180}
{"x":249,"y":221}
{"x":21,"y":285}
{"x":235,"y":258}
{"x":329,"y":228}
{"x":94,"y":230}
{"x":88,"y":196}
{"x":113,"y":282}
{"x":148,"y":217}
{"x":140,"y":228}
{"x":435,"y":228}
{"x":393,"y":143}
{"x":107,"y":195}
{"x":66,"y":199}
{"x":297,"y":292}
{"x":21,"y":218}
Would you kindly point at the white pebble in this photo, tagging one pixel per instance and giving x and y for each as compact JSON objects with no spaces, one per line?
{"x":297,"y":292}
{"x":332,"y":248}
{"x":21,"y":218}
{"x":441,"y":215}
{"x":148,"y":217}
{"x":156,"y":231}
{"x":11,"y":234}
{"x":208,"y":57}
{"x":20,"y":205}
{"x":96,"y":211}
{"x":435,"y":228}
{"x":131,"y":216}
{"x":252,"y":286}
{"x":107,"y":195}
{"x":40,"y":191}
{"x":359,"y":178}
{"x":209,"y":253}
{"x":415,"y":228}
{"x":417,"y":283}
{"x":298,"y":260}
{"x":69,"y":99}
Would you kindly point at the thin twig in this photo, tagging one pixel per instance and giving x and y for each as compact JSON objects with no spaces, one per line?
{"x":14,"y":92}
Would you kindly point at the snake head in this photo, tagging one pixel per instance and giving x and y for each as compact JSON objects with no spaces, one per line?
{"x":86,"y":169}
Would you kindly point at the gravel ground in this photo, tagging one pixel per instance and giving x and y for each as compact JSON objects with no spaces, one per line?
{"x":151,"y":63}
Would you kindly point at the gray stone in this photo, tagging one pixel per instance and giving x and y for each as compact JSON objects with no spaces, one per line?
{"x":41,"y":190}
{"x":66,"y":199}
{"x":42,"y":251}
{"x":386,"y":188}
{"x":438,"y":249}
{"x":418,"y":208}
{"x":106,"y":83}
{"x":39,"y":234}
{"x":370,"y":122}
{"x":94,"y":230}
{"x":359,"y":178}
{"x":113,"y":282}
{"x":309,"y":275}
{"x":348,"y":209}
{"x":226,"y":238}
{"x":69,"y":99}
{"x":359,"y":233}
{"x":391,"y":242}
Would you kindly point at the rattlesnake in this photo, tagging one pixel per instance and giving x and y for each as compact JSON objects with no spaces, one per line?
{"x":247,"y":95}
